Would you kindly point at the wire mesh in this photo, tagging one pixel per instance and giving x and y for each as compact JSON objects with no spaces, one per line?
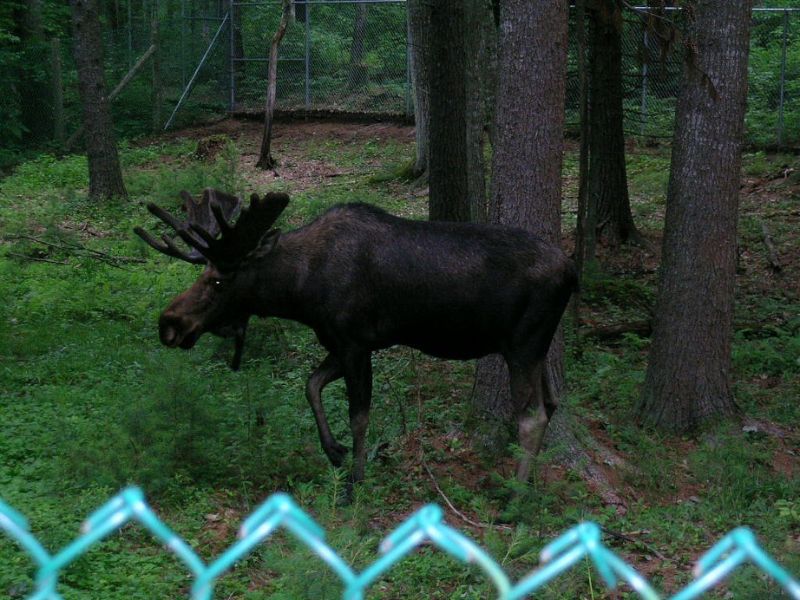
{"x":426,"y":526}
{"x":348,"y":56}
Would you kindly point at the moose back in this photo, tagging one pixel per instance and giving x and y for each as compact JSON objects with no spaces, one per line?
{"x":364,"y":280}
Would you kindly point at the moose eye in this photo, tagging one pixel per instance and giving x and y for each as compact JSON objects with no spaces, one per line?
{"x":218,"y":283}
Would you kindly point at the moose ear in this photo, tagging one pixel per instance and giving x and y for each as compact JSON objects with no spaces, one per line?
{"x":268,"y":242}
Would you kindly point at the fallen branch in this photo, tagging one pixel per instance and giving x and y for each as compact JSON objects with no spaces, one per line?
{"x":37,"y":259}
{"x":622,"y":536}
{"x":114,"y":261}
{"x":457,"y":512}
{"x":611,"y":332}
{"x":116,"y":91}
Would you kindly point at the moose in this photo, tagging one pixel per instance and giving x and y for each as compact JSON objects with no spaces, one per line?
{"x":365,"y":280}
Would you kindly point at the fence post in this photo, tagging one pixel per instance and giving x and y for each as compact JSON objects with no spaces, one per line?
{"x":308,"y":55}
{"x":409,"y":104}
{"x":232,"y":57}
{"x":783,"y":77}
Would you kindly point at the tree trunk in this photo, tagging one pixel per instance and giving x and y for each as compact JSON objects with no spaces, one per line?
{"x":157,"y":93}
{"x":265,"y":160}
{"x":34,"y":90}
{"x":478,"y":45}
{"x":526,"y":166}
{"x":238,"y":44}
{"x":419,"y":39}
{"x":449,"y":186}
{"x":688,"y":375}
{"x":608,"y":202}
{"x":357,"y":76}
{"x":105,"y":176}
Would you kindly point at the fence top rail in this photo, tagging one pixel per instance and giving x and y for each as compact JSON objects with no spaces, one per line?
{"x":755,"y":9}
{"x":278,"y":2}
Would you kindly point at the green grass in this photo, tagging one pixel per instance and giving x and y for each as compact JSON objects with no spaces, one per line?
{"x":91,"y":402}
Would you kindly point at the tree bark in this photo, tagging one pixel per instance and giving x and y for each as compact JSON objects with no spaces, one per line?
{"x":36,"y":108}
{"x":688,"y":375}
{"x":478,"y":45}
{"x":448,"y":163}
{"x":419,"y":39}
{"x":265,"y":160}
{"x":608,"y":201}
{"x":456,"y":172}
{"x":526,"y":168}
{"x":105,"y":175}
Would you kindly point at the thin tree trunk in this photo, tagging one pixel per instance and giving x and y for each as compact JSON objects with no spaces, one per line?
{"x":419,"y":39}
{"x":105,"y":175}
{"x":58,"y":91}
{"x":357,"y":77}
{"x":478,"y":18}
{"x":609,"y":204}
{"x":526,"y":168}
{"x":582,"y":232}
{"x":265,"y":160}
{"x":157,"y":96}
{"x":449,"y":162}
{"x":688,"y":378}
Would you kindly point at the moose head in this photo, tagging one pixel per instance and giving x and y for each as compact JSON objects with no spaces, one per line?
{"x":208,"y":306}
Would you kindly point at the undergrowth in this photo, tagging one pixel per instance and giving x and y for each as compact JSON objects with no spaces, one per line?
{"x":92,"y":402}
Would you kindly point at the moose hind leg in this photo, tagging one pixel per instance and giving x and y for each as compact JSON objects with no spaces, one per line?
{"x":329,"y":370}
{"x":533,"y":412}
{"x":358,"y":377}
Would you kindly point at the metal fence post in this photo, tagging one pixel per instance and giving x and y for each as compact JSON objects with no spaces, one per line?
{"x":232,"y":58}
{"x":783,"y":77}
{"x":308,"y":55}
{"x":409,"y":106}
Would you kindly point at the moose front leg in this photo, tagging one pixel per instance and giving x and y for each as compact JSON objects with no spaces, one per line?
{"x":329,"y":370}
{"x":358,"y":378}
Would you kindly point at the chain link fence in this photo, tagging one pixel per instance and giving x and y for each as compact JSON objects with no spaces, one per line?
{"x":581,"y":544}
{"x":652,"y":77}
{"x":351,"y":56}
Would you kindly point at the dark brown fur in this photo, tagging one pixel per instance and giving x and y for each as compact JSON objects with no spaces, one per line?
{"x":364,"y":280}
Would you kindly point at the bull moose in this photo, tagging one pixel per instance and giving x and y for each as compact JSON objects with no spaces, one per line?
{"x":364,"y":280}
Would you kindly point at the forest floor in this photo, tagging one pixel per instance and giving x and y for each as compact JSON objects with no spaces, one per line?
{"x":79,"y":350}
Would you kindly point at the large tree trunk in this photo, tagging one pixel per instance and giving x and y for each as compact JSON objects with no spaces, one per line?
{"x":688,"y":375}
{"x":608,"y":201}
{"x":36,"y":105}
{"x":456,"y":174}
{"x":105,"y":176}
{"x":448,"y":163}
{"x":479,"y":47}
{"x":419,"y":40}
{"x":526,"y":167}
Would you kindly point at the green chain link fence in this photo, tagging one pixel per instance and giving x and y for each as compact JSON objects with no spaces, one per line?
{"x":580,"y":543}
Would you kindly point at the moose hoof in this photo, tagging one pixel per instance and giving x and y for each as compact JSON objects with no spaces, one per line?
{"x":336,"y":453}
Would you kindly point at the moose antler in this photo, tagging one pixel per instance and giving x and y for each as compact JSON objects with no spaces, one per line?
{"x":217,"y":241}
{"x":199,"y":214}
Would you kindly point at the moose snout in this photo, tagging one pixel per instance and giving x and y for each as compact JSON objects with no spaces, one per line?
{"x":175,"y":331}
